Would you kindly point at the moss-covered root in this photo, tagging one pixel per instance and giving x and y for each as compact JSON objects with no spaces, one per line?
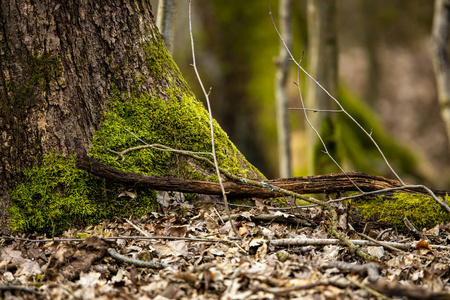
{"x":56,"y":195}
{"x":421,"y":210}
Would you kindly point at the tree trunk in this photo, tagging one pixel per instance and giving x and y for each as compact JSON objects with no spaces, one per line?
{"x":70,"y":68}
{"x":322,"y":65}
{"x":281,"y":76}
{"x":165,"y":19}
{"x":439,"y":39}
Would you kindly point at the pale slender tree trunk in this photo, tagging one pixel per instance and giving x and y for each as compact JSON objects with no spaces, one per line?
{"x":322,"y":65}
{"x":283,"y":130}
{"x":439,"y":41}
{"x":165,"y":20}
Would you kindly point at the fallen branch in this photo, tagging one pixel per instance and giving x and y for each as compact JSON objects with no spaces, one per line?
{"x":323,"y":242}
{"x":326,"y":184}
{"x":136,"y":180}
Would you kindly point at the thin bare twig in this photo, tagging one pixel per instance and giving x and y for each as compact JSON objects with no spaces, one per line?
{"x":316,"y":110}
{"x":285,"y":290}
{"x":145,"y":233}
{"x":277,"y":242}
{"x":380,"y":243}
{"x":194,"y":239}
{"x":318,"y":134}
{"x":334,"y":99}
{"x":216,"y":165}
{"x":364,"y":287}
{"x":323,"y":242}
{"x":416,"y":233}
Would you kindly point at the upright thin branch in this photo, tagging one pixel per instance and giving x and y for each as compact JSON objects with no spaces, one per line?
{"x":439,"y":40}
{"x":165,"y":20}
{"x":281,"y":76}
{"x":210,"y":122}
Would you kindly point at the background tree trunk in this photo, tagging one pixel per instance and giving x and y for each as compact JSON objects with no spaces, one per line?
{"x":165,"y":20}
{"x":322,"y":65}
{"x":60,"y":64}
{"x":281,"y":77}
{"x":439,"y":39}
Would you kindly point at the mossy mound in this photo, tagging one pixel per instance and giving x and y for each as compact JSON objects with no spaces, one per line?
{"x":180,"y":122}
{"x":57,"y":195}
{"x":421,"y":210}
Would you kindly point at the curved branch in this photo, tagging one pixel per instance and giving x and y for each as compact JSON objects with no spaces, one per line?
{"x":327,"y":184}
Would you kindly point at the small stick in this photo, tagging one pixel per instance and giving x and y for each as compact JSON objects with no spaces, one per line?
{"x":137,"y":262}
{"x":145,"y":233}
{"x":413,"y":229}
{"x":362,"y":286}
{"x":380,"y":243}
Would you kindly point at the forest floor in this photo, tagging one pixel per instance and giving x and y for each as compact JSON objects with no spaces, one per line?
{"x":282,"y":255}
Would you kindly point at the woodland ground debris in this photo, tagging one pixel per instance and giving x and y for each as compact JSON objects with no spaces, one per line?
{"x":218,"y":267}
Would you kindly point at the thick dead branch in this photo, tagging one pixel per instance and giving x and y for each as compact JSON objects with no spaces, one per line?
{"x":326,"y":184}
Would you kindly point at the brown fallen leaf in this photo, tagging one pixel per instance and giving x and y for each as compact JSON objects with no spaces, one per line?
{"x":423,"y":244}
{"x":68,"y":261}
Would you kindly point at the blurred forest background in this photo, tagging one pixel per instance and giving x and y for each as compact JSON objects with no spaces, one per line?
{"x":386,"y":81}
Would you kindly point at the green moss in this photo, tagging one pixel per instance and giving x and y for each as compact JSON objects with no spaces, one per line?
{"x":180,"y":122}
{"x":56,"y":195}
{"x":82,"y":235}
{"x":421,"y":210}
{"x":160,"y":64}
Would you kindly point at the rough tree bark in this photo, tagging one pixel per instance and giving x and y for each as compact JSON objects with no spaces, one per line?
{"x":60,"y":64}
